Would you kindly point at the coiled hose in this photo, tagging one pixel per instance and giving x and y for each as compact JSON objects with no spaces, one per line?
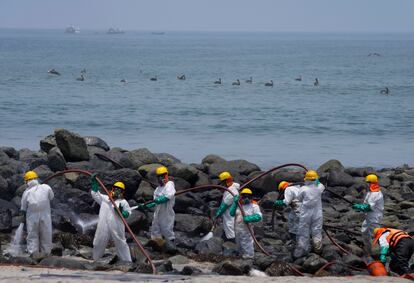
{"x":144,"y":252}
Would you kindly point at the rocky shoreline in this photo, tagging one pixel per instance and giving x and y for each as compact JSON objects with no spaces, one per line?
{"x":74,"y":213}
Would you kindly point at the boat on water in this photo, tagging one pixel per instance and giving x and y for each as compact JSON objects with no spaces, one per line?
{"x":115,"y":31}
{"x":72,"y":29}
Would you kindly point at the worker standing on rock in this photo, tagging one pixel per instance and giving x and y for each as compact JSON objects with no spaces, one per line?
{"x":399,"y":244}
{"x":310,"y":215}
{"x":373,"y":207}
{"x":110,"y":225}
{"x":164,"y":200}
{"x":252,"y":214}
{"x":35,"y":207}
{"x":291,"y":193}
{"x":226,"y":202}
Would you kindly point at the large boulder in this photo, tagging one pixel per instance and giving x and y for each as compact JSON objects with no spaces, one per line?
{"x":10,"y":151}
{"x":138,"y":221}
{"x":131,"y":179}
{"x":145,"y":192}
{"x":337,"y":178}
{"x":97,"y":142}
{"x":55,"y":160}
{"x":279,"y":268}
{"x":184,"y":171}
{"x":5,"y":220}
{"x":4,"y":189}
{"x":270,"y":182}
{"x":234,"y":267}
{"x":72,"y":145}
{"x":167,"y":159}
{"x":212,"y":158}
{"x":194,"y":225}
{"x":48,"y":143}
{"x":330,"y":165}
{"x":244,"y":167}
{"x":212,"y":246}
{"x":148,"y":170}
{"x":312,"y":263}
{"x":359,"y":171}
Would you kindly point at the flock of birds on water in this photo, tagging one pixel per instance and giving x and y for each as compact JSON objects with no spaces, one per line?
{"x":237,"y":82}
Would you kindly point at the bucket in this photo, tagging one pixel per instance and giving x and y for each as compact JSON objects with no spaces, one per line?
{"x":376,"y":268}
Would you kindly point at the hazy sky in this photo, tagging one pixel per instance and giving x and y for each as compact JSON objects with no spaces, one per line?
{"x":213,"y":15}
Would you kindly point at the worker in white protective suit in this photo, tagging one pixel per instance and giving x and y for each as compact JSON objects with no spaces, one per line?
{"x":373,"y":207}
{"x":252,"y":214}
{"x":226,"y":202}
{"x":290,"y":200}
{"x":164,"y":201}
{"x":110,"y":225}
{"x":35,"y":207}
{"x":310,"y":215}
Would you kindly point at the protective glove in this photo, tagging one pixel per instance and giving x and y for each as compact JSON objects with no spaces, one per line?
{"x":94,"y":183}
{"x":141,"y":207}
{"x":363,"y":207}
{"x":124,"y":213}
{"x":233,"y":206}
{"x":252,"y":218}
{"x":223,"y":207}
{"x":161,"y":199}
{"x":150,"y":205}
{"x":279,"y":203}
{"x":383,"y":255}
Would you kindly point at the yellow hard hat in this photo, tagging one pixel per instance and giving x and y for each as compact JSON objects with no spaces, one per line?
{"x":311,"y":175}
{"x":246,"y":191}
{"x":283,"y":185}
{"x":30,"y":175}
{"x":119,"y":185}
{"x":224,"y":176}
{"x":371,"y":178}
{"x":161,"y":170}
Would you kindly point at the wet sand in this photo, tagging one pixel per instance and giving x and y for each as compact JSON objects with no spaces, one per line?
{"x":29,"y":274}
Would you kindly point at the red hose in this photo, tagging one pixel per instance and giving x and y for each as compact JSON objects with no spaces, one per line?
{"x":60,"y":173}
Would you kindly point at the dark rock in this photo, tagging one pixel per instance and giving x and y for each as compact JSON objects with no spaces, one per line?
{"x":10,"y":151}
{"x":182,"y":241}
{"x":10,"y":206}
{"x":212,"y":246}
{"x":354,"y":260}
{"x":54,"y":261}
{"x":190,"y":270}
{"x":339,"y":178}
{"x":359,"y":171}
{"x":270,"y":182}
{"x":228,"y":268}
{"x":22,"y":260}
{"x":97,"y":142}
{"x":202,"y":179}
{"x":130,"y":178}
{"x":212,"y":158}
{"x":43,"y":171}
{"x":138,"y":221}
{"x":180,"y":184}
{"x":124,"y":266}
{"x":243,"y":167}
{"x":279,"y":268}
{"x":164,"y":266}
{"x":82,"y":165}
{"x":183,"y":202}
{"x":136,"y":158}
{"x":55,"y":160}
{"x":230,"y":249}
{"x":184,"y":171}
{"x":312,"y":263}
{"x":145,"y":192}
{"x":167,"y":159}
{"x":98,"y":163}
{"x":4,"y":189}
{"x":148,"y":170}
{"x":48,"y":143}
{"x":192,"y":224}
{"x":72,"y":146}
{"x":331,"y":165}
{"x":57,"y":249}
{"x":5,"y":220}
{"x":215,"y":169}
{"x":269,"y":199}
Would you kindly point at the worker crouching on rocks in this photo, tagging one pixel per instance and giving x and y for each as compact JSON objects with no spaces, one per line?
{"x":398,"y":244}
{"x":373,"y":208}
{"x":290,"y":200}
{"x":35,"y":207}
{"x":252,"y":214}
{"x":110,"y":225}
{"x":311,"y":216}
{"x":226,"y":202}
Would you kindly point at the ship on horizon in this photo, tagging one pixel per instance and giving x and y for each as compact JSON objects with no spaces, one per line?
{"x":72,"y":29}
{"x":115,"y":31}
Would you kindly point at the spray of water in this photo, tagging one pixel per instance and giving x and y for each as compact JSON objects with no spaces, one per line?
{"x":84,"y":224}
{"x":16,"y":246}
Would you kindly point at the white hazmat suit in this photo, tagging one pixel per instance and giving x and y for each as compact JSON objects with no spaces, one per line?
{"x":244,"y":239}
{"x":228,"y":220}
{"x":36,"y":203}
{"x":310,"y":217}
{"x":110,"y":226}
{"x":372,"y":218}
{"x":291,"y":200}
{"x":164,"y":215}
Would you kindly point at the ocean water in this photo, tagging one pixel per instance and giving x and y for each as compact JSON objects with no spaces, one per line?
{"x":345,"y":117}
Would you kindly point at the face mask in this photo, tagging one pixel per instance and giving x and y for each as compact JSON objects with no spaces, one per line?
{"x":246,"y":201}
{"x":32,"y":183}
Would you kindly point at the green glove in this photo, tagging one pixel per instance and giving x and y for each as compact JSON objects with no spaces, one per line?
{"x":233,"y":206}
{"x":161,"y":199}
{"x":150,"y":205}
{"x":94,"y":183}
{"x":383,"y":255}
{"x":252,"y":218}
{"x":279,"y":203}
{"x":141,"y":207}
{"x":124,"y":213}
{"x":223,"y":207}
{"x":363,"y":207}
